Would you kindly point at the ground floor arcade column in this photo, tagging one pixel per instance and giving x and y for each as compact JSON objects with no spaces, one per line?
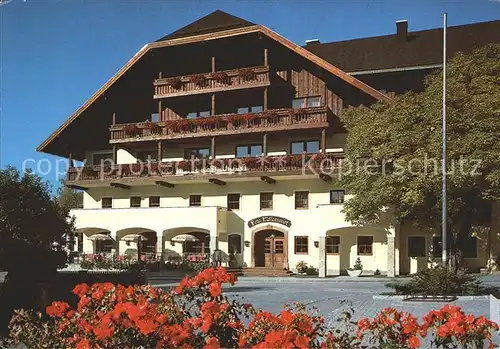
{"x":322,"y":257}
{"x":392,"y":253}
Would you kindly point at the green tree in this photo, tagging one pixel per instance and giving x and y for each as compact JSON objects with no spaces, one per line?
{"x":69,"y":198}
{"x":35,"y":231}
{"x":395,"y":134}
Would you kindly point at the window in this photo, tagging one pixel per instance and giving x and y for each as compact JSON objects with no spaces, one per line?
{"x":198,"y":114}
{"x":337,"y":196}
{"x":107,"y":202}
{"x":155,"y":117}
{"x":233,"y":201}
{"x":266,"y":201}
{"x":416,"y":246}
{"x":437,"y":246}
{"x":304,"y":147}
{"x":197,"y":153}
{"x":154,"y":201}
{"x":301,"y":200}
{"x":234,"y":243}
{"x":103,"y":246}
{"x":248,"y":150}
{"x":102,"y":159}
{"x":469,"y":249}
{"x":365,"y":245}
{"x":333,"y":244}
{"x":304,"y":102}
{"x":250,"y":109}
{"x":301,"y":244}
{"x":135,"y":201}
{"x":194,"y":200}
{"x":146,"y":156}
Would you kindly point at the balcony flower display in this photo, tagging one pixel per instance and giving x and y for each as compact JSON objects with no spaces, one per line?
{"x":197,"y":314}
{"x":175,"y":82}
{"x":246,"y":74}
{"x":152,"y":127}
{"x":131,"y":130}
{"x":219,"y":76}
{"x":198,"y":79}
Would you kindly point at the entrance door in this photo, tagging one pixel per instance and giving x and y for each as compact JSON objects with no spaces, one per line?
{"x":274,"y":252}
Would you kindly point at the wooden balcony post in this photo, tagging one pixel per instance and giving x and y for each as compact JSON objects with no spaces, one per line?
{"x":114,"y":154}
{"x":160,"y":153}
{"x":212,"y":148}
{"x":160,"y":118}
{"x":323,"y":141}
{"x":212,"y":111}
{"x":265,"y":99}
{"x":114,"y":119}
{"x":213,"y":64}
{"x":264,"y":143}
{"x":266,"y":61}
{"x":70,"y":160}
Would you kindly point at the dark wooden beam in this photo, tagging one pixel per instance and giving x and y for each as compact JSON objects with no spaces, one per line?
{"x":268,"y":179}
{"x":325,"y":177}
{"x":165,"y":184}
{"x":160,"y":152}
{"x":76,"y":187}
{"x":119,"y":185}
{"x":264,"y":143}
{"x":212,"y":148}
{"x":323,"y":141}
{"x":216,"y":181}
{"x":114,"y":155}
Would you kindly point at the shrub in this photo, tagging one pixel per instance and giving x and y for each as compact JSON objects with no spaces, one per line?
{"x":440,"y":281}
{"x":196,"y":314}
{"x":357,"y":265}
{"x":301,"y":267}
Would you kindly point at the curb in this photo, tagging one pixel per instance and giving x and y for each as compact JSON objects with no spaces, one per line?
{"x":401,"y":298}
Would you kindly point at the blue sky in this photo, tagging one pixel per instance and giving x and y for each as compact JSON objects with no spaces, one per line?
{"x":55,"y":54}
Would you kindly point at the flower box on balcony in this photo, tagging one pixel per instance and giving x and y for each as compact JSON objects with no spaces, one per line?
{"x":175,"y":83}
{"x":246,"y":74}
{"x":220,"y":76}
{"x":131,"y":130}
{"x":198,"y":79}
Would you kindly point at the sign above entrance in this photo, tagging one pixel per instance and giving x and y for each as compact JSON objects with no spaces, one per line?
{"x":269,"y":219}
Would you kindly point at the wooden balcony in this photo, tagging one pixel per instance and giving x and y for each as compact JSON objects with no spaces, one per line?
{"x":272,"y":120}
{"x":319,"y":164}
{"x":227,"y":80}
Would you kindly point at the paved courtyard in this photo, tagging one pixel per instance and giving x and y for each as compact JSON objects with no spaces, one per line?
{"x":327,"y":295}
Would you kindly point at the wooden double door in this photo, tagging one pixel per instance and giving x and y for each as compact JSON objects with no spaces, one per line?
{"x":270,"y":249}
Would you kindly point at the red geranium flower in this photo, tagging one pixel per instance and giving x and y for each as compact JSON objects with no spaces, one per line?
{"x":214,"y":289}
{"x":212,"y":343}
{"x":414,"y":342}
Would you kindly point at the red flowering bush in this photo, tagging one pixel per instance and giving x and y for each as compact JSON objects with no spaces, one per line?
{"x":196,"y":314}
{"x":451,"y":328}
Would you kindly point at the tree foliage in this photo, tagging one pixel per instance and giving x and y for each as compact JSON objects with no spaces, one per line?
{"x":405,"y":139}
{"x":32,"y":224}
{"x":69,"y":198}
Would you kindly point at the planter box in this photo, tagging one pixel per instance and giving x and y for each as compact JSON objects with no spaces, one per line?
{"x":354,"y":273}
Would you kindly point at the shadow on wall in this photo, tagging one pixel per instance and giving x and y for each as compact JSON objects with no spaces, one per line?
{"x":367,"y":243}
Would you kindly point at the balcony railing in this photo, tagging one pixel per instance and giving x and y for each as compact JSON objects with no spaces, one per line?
{"x":272,"y":120}
{"x":212,"y":82}
{"x":307,"y":163}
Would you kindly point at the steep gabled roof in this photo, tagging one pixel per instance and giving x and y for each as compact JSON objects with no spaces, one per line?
{"x":211,"y":23}
{"x":418,"y":48}
{"x":201,"y":37}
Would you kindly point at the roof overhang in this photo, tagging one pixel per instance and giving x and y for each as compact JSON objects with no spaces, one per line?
{"x":215,"y":36}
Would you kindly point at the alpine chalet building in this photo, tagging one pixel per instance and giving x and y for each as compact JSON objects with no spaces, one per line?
{"x":224,"y":135}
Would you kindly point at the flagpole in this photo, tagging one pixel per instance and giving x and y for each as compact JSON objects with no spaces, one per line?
{"x":444,"y":206}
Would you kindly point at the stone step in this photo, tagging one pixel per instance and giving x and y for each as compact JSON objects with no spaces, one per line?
{"x":259,"y":271}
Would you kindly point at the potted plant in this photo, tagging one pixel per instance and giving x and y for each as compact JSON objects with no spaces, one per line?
{"x":301,"y":267}
{"x":356,"y":270}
